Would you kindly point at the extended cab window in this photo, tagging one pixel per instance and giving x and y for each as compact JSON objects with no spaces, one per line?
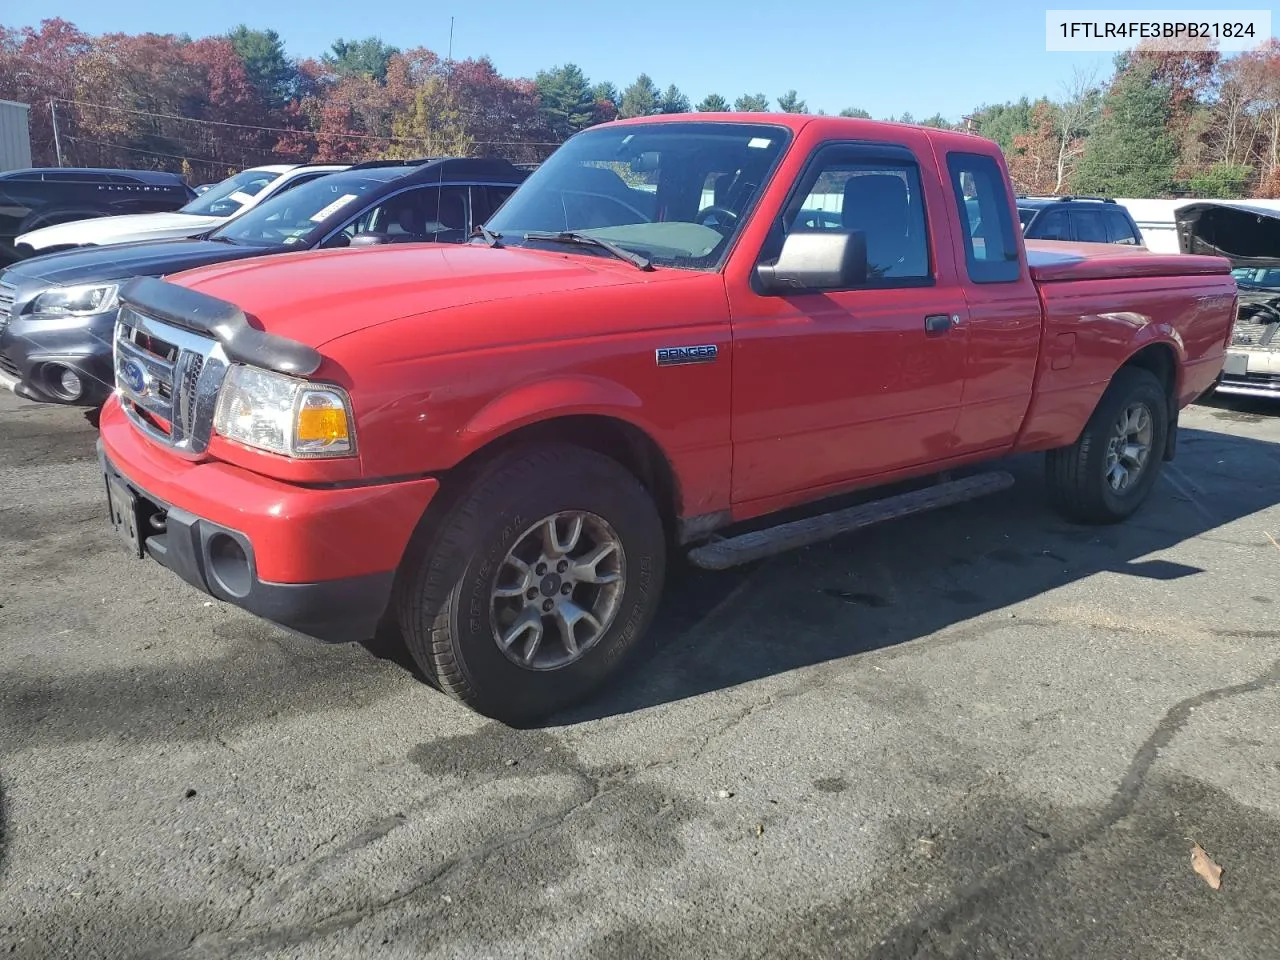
{"x":982,"y":199}
{"x":851,"y":188}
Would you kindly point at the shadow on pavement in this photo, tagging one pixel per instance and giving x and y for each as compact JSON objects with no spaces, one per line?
{"x":907,"y":579}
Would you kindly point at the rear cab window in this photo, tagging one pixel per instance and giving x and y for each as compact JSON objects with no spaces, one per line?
{"x":982,"y":201}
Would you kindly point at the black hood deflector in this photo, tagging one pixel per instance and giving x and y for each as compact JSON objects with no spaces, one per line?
{"x":225,"y":322}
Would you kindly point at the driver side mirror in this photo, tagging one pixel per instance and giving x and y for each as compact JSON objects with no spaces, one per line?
{"x":369,"y":239}
{"x":817,"y":260}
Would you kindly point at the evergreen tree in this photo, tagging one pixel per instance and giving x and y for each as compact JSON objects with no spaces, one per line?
{"x":790,"y":102}
{"x":713,"y":103}
{"x":1130,"y":153}
{"x":270,"y":71}
{"x":565,"y":99}
{"x":641,"y":99}
{"x":673,"y":101}
{"x":855,"y":112}
{"x":751,"y":103}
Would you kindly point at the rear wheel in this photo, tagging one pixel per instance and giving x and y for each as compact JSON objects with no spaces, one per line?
{"x":537,"y":585}
{"x":1107,"y":474}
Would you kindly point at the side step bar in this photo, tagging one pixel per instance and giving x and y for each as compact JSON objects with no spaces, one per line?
{"x":730,"y":552}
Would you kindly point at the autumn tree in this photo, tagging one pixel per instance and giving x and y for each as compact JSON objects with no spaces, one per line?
{"x":1033,"y":156}
{"x":713,"y":103}
{"x":38,"y":65}
{"x":751,"y":103}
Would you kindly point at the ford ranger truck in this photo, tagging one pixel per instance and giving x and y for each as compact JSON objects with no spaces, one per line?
{"x":673,"y":326}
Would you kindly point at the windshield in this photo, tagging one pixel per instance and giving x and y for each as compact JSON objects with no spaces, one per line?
{"x":1257,"y":277}
{"x":676,"y":193}
{"x":225,"y":198}
{"x":1026,"y":215}
{"x":300,"y":216}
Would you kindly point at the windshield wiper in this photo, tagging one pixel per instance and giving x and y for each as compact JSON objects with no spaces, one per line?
{"x":491,"y":239}
{"x":573,"y":236}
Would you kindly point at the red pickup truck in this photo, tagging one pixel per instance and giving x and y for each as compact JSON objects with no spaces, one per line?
{"x":673,"y":326}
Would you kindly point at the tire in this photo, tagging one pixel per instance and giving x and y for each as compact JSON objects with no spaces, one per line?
{"x":1078,"y":475}
{"x":446,"y":605}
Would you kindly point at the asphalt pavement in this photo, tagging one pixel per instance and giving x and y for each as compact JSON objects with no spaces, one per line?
{"x":981,"y":732}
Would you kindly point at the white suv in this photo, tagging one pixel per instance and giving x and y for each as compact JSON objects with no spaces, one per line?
{"x":214,"y":207}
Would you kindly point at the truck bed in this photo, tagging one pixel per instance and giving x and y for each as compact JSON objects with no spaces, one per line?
{"x":1053,"y":261}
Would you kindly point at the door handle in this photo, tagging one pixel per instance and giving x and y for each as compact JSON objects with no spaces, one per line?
{"x":940,"y":322}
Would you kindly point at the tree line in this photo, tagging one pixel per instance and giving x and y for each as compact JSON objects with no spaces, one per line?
{"x":1161,"y":124}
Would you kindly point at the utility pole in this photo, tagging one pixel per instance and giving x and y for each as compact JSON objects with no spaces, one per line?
{"x":57,"y":141}
{"x":450,"y":55}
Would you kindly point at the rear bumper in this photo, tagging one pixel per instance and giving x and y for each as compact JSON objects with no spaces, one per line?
{"x":320,"y":562}
{"x":1251,"y":373}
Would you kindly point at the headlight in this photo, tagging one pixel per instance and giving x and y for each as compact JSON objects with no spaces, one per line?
{"x":81,"y":301}
{"x":295,"y":418}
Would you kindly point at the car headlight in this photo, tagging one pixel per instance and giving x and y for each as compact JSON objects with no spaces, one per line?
{"x":284,"y":415}
{"x":80,"y":301}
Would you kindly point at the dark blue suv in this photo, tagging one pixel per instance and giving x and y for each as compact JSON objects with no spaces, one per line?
{"x":1083,"y":219}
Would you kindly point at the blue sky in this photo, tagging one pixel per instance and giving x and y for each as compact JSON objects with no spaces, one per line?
{"x":920,"y":56}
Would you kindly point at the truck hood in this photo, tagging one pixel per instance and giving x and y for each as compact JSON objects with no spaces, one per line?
{"x":1248,"y":234}
{"x":91,"y":264}
{"x":316,"y":297}
{"x":122,"y":229}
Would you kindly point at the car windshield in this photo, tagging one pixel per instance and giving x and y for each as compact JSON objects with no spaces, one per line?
{"x":300,"y":216}
{"x":675,"y":193}
{"x":227,"y":197}
{"x":1257,"y":277}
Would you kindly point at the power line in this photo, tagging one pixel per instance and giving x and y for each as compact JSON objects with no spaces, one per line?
{"x":351,"y":134}
{"x":151,"y":153}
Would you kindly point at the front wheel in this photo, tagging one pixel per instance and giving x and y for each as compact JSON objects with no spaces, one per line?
{"x":536,"y":585}
{"x":1108,"y":472}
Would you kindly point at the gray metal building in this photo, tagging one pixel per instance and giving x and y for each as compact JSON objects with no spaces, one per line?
{"x":15,"y":136}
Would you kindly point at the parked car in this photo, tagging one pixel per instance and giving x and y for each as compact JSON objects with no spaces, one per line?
{"x":57,"y":312}
{"x":1248,"y":235}
{"x":496,"y":445}
{"x":1083,"y":219}
{"x":211,"y":208}
{"x":38,"y":197}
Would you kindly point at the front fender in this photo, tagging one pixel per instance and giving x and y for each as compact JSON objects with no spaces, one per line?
{"x":562,"y":396}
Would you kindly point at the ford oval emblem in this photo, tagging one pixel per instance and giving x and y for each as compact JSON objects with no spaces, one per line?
{"x":133,"y":376}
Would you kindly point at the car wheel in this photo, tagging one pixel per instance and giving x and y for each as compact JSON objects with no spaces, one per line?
{"x":537,"y":584}
{"x":1108,"y":472}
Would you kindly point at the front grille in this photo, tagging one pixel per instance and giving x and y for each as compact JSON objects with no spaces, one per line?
{"x":168,"y":380}
{"x":7,"y":292}
{"x":9,"y":367}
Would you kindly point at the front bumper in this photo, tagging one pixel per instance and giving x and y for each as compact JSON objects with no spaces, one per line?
{"x":318,"y":561}
{"x":33,"y":358}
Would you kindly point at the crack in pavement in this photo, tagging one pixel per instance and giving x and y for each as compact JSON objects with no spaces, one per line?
{"x":911,"y":939}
